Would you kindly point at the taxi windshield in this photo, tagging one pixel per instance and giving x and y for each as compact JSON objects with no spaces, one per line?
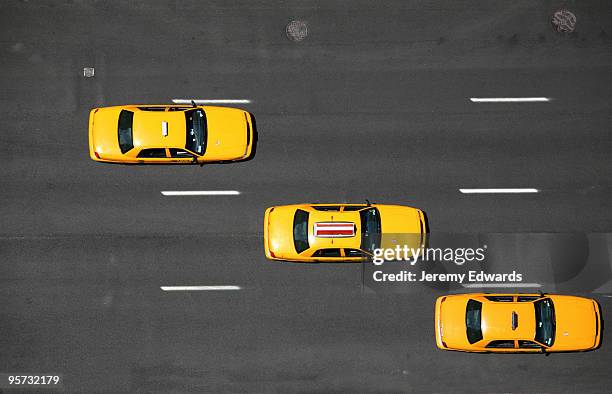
{"x":196,"y":131}
{"x":545,"y":321}
{"x":473,"y":315}
{"x":370,"y":229}
{"x":126,"y":119}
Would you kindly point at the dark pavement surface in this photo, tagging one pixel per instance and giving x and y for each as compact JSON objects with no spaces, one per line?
{"x":374,"y":103}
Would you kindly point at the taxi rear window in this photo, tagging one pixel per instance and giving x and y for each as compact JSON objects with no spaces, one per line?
{"x":126,"y":119}
{"x":300,"y":230}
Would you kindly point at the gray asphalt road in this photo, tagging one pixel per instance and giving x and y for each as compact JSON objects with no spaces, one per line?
{"x":374,"y":103}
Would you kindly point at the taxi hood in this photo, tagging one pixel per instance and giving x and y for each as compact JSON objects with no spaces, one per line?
{"x":227,"y":133}
{"x":451,"y":326}
{"x":400,"y":226}
{"x":576,"y":323}
{"x":279,"y":227}
{"x":104,"y":137}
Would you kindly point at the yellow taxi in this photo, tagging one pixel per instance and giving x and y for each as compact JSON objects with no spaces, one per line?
{"x":169,"y":134}
{"x":517,"y":323}
{"x":340,"y":232}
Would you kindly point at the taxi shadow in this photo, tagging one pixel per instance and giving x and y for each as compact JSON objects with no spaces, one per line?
{"x":255,"y":139}
{"x":602,"y":325}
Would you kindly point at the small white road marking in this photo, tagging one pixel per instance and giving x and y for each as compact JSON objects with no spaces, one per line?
{"x":509,"y":99}
{"x":201,"y":193}
{"x":485,"y":191}
{"x":199,"y":288}
{"x":488,"y":285}
{"x":211,"y":101}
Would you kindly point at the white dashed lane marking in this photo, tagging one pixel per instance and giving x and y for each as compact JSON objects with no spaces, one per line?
{"x":509,"y":99}
{"x":211,"y":101}
{"x":200,"y":193}
{"x":499,"y":191}
{"x":200,"y":288}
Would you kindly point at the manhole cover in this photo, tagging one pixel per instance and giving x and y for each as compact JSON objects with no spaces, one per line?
{"x":297,"y":30}
{"x":564,"y":21}
{"x":88,"y":72}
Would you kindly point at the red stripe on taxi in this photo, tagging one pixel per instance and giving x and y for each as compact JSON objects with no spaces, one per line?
{"x":334,"y":229}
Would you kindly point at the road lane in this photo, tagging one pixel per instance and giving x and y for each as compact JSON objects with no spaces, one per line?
{"x":282,"y":340}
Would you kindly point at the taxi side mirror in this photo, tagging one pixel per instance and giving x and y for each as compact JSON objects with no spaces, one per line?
{"x":194,"y":160}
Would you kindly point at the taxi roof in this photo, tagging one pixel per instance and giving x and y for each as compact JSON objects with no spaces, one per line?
{"x":318,"y":242}
{"x":147,"y":129}
{"x":496,"y":320}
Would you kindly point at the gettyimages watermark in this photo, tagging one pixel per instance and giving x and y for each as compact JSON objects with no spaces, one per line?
{"x":401,"y":257}
{"x":459,"y":256}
